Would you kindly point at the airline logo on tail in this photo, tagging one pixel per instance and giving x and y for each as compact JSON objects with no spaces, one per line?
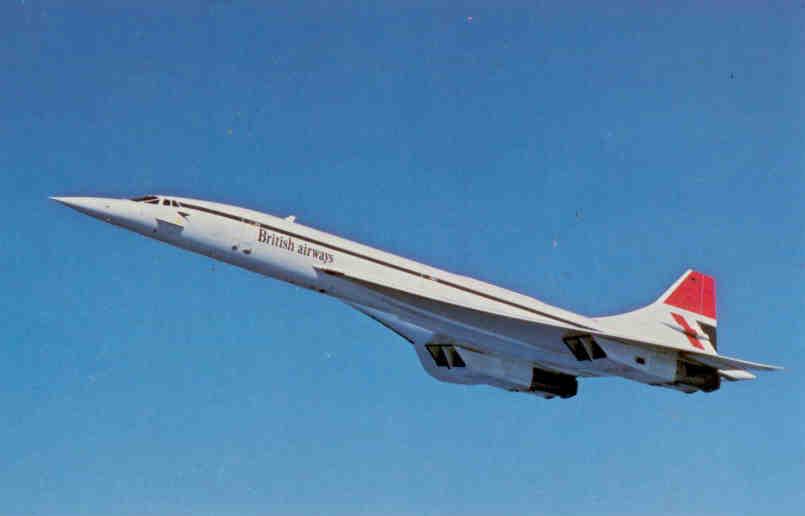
{"x":690,"y":333}
{"x":696,"y":293}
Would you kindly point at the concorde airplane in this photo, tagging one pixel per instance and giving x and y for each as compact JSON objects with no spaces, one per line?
{"x":463,"y":330}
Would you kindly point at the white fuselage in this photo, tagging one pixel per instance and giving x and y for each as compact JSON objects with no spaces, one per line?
{"x":289,"y":251}
{"x":463,"y":330}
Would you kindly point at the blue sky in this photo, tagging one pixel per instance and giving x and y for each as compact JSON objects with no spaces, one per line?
{"x":582,"y":155}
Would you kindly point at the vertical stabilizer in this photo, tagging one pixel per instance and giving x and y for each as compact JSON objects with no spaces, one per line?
{"x":684,"y":316}
{"x":694,"y":292}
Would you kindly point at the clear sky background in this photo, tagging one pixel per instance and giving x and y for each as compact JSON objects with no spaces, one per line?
{"x":582,"y":155}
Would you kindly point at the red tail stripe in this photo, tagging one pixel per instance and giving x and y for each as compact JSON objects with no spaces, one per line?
{"x":690,"y":333}
{"x":696,"y":293}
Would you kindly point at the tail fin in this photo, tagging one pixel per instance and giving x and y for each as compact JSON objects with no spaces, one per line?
{"x":684,"y":316}
{"x":694,"y":292}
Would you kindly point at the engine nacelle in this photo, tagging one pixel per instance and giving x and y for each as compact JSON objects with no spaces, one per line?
{"x":557,"y":384}
{"x":701,"y":377}
{"x":454,"y":364}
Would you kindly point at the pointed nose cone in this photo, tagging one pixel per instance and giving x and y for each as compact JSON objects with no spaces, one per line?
{"x":90,"y":205}
{"x":120,"y":212}
{"x":63,"y":200}
{"x":72,"y":202}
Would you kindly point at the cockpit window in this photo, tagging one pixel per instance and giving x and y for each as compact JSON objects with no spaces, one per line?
{"x":145,"y":198}
{"x":153,"y":199}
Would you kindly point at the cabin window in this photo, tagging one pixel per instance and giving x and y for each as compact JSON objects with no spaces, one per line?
{"x":166,"y":202}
